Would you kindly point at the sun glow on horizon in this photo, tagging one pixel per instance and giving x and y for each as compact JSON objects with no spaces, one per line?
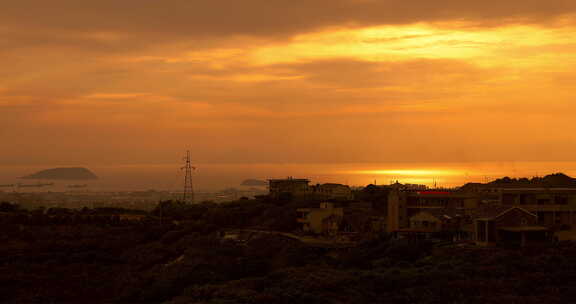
{"x":409,"y":172}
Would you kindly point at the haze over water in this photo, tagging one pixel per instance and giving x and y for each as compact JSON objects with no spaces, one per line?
{"x":215,"y":176}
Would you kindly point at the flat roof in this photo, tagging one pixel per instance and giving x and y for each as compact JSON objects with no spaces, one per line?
{"x":440,"y":194}
{"x":523,"y":228}
{"x":416,"y":230}
{"x":538,"y":189}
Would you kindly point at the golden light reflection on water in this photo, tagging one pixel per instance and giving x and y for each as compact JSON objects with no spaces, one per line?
{"x":453,"y":174}
{"x":410,"y":172}
{"x":429,"y":177}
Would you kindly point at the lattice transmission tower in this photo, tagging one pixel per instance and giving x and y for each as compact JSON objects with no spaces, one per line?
{"x":188,"y":195}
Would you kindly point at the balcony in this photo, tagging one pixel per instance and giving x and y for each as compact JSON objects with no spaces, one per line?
{"x":543,"y":208}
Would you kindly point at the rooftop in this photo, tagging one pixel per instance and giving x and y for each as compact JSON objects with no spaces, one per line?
{"x":524,"y":229}
{"x":289,"y":179}
{"x":494,"y":211}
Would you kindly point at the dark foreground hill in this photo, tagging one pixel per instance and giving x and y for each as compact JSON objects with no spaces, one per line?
{"x":63,"y":174}
{"x":87,"y":257}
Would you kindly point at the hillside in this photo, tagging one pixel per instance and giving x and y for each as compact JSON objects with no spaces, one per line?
{"x":552,"y":180}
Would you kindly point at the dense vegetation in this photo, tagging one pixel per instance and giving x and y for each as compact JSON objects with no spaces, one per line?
{"x":177,"y":255}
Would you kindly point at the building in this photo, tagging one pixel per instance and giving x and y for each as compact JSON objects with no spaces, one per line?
{"x":555,"y":207}
{"x":443,"y":224}
{"x":300,"y":187}
{"x":512,"y":226}
{"x":415,"y":187}
{"x":289,"y":186}
{"x":332,"y":192}
{"x":402,"y":205}
{"x":436,"y":220}
{"x":330,"y":219}
{"x":323,"y":220}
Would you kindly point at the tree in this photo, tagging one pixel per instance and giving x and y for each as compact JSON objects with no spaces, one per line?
{"x":9,"y":207}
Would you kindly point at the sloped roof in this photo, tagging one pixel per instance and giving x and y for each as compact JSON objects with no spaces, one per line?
{"x":494,"y":211}
{"x":332,"y":185}
{"x":524,"y":228}
{"x":333,"y":217}
{"x":443,"y":213}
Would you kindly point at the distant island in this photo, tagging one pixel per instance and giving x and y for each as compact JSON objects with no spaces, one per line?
{"x":254,"y":183}
{"x":63,"y":174}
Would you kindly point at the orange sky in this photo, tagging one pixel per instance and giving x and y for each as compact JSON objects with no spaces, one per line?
{"x":106,"y":83}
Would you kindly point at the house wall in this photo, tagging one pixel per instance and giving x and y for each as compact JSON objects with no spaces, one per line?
{"x":556,"y":208}
{"x":397,"y":211}
{"x":403,"y":204}
{"x":333,"y":191}
{"x":516,"y":218}
{"x":293,"y":186}
{"x":425,"y":220}
{"x":313,"y":219}
{"x":486,"y":230}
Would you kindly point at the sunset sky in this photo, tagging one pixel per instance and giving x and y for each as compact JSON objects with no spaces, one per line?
{"x":113,"y":83}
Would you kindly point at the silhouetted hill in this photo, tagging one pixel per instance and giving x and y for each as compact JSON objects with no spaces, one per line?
{"x":254,"y":183}
{"x":552,"y":180}
{"x":63,"y":174}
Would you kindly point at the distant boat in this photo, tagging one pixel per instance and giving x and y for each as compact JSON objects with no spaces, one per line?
{"x":39,"y":185}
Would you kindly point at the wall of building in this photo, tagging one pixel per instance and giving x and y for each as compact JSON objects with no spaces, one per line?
{"x":556,"y":208}
{"x":398,"y":212}
{"x":313,"y":219}
{"x":424,"y":220}
{"x":292,"y":186}
{"x":486,"y":230}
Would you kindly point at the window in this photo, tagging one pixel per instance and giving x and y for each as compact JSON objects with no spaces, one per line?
{"x":540,"y":217}
{"x":481,"y":231}
{"x":560,"y":200}
{"x":543,"y":201}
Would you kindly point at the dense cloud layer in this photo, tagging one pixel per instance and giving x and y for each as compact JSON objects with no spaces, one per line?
{"x":261,"y":17}
{"x":286,"y":81}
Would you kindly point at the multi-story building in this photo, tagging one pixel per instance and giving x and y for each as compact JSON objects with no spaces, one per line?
{"x":555,"y":207}
{"x":506,"y":225}
{"x":436,"y":220}
{"x":323,"y":220}
{"x":300,"y":187}
{"x":291,"y":186}
{"x":332,"y":191}
{"x":402,"y":205}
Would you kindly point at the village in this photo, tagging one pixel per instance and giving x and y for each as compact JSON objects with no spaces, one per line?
{"x":506,"y":212}
{"x":304,"y":241}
